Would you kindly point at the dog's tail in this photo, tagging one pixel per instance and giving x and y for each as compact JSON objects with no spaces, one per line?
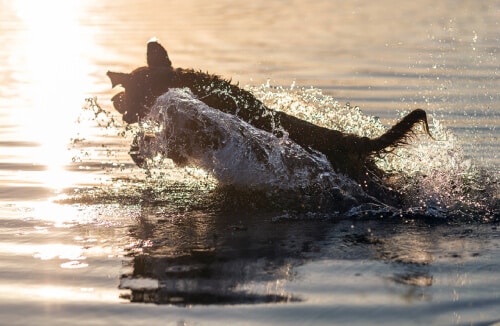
{"x":400,"y":133}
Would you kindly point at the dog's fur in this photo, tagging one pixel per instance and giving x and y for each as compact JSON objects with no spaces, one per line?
{"x":348,"y":153}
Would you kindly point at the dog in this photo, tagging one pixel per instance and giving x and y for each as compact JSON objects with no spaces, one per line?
{"x":348,"y":153}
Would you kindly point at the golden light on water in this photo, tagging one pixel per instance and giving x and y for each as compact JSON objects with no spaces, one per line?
{"x":46,"y":292}
{"x":50,"y":53}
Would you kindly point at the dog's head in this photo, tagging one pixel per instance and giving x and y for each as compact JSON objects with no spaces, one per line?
{"x":143,"y":85}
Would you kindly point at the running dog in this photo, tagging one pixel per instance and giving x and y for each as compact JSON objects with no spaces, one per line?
{"x":348,"y":153}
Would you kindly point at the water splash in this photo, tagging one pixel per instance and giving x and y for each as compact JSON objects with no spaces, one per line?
{"x":188,"y":147}
{"x":236,"y":154}
{"x":436,"y":178}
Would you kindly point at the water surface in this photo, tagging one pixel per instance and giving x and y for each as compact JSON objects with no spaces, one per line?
{"x":86,"y":237}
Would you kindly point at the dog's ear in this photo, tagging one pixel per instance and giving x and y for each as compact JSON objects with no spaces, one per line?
{"x":118,"y":78}
{"x":157,"y":55}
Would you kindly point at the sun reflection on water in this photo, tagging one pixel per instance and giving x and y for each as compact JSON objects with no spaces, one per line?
{"x":50,"y":52}
{"x":46,"y":292}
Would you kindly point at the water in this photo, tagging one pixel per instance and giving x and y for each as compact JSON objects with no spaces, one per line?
{"x":88,"y":238}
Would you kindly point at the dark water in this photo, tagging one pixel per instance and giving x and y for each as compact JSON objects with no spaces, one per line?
{"x":86,"y":237}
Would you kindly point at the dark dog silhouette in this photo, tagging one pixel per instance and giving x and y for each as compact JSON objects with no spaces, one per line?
{"x":348,"y":153}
